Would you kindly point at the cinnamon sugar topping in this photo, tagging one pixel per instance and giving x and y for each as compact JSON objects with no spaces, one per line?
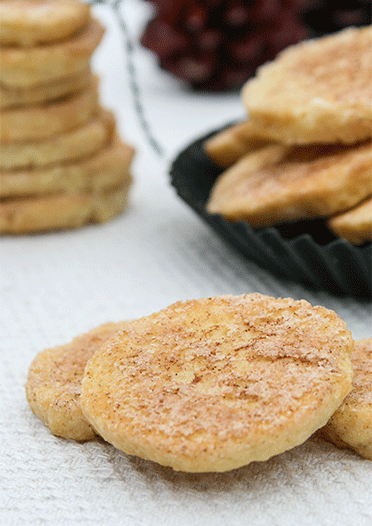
{"x":214,"y":383}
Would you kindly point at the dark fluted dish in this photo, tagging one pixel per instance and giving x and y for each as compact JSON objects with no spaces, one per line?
{"x":306,"y":251}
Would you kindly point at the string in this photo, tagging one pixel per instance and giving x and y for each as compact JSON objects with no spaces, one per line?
{"x":132,"y":72}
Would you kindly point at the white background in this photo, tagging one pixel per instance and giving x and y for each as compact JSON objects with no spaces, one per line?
{"x":55,"y":286}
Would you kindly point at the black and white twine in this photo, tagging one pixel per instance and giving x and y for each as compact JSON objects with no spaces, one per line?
{"x":132,"y":73}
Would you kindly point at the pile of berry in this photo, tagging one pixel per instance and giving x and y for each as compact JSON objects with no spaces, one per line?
{"x":218,"y":44}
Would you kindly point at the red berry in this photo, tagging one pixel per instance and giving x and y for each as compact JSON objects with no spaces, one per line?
{"x":237,"y":14}
{"x":163,"y":39}
{"x":266,"y":10}
{"x":248,"y":49}
{"x":195,"y":18}
{"x":209,"y":40}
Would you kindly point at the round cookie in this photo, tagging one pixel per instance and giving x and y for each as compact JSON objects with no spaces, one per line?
{"x":25,"y":68}
{"x":351,"y":425}
{"x":216,"y":383}
{"x":41,"y":121}
{"x":54,"y":381}
{"x":354,"y":225}
{"x":107,"y":168}
{"x":78,"y":143}
{"x":281,"y":183}
{"x":317,"y":91}
{"x":42,"y":93}
{"x":62,"y":211}
{"x":31,"y":22}
{"x":229,"y":145}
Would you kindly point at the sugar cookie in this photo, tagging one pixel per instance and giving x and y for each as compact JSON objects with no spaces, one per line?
{"x":316,"y":91}
{"x":47,"y":92}
{"x":54,"y":381}
{"x":355,"y":224}
{"x":351,"y":424}
{"x":62,"y":211}
{"x":229,"y":145}
{"x":213,"y":384}
{"x":107,"y":168}
{"x":41,"y":121}
{"x":280,"y":183}
{"x":32,"y":22}
{"x":78,"y":143}
{"x":28,"y":67}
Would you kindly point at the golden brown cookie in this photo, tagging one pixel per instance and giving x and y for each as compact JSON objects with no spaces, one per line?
{"x":24,"y":68}
{"x":107,"y":168}
{"x":282,"y":183}
{"x":229,"y":145}
{"x":31,"y":22}
{"x":354,"y":225}
{"x":351,"y":424}
{"x":110,"y":202}
{"x":62,"y":87}
{"x":213,"y":384}
{"x":42,"y":121}
{"x":78,"y":143}
{"x":316,"y":91}
{"x":62,"y":211}
{"x":54,"y":382}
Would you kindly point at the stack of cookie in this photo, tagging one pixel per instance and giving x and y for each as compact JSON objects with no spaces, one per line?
{"x":62,"y":163}
{"x":305,"y":151}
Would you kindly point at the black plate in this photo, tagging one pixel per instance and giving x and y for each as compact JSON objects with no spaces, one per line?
{"x":306,"y":251}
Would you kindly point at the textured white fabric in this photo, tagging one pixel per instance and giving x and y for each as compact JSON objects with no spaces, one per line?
{"x":55,"y":286}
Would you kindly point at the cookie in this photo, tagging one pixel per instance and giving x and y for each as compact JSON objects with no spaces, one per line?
{"x":54,"y":381}
{"x":354,"y":225}
{"x":351,"y":425}
{"x":216,"y":383}
{"x":42,"y":121}
{"x":78,"y":143}
{"x":32,"y":22}
{"x":229,"y":145}
{"x":62,"y":87}
{"x":25,"y":68}
{"x":62,"y":211}
{"x":319,"y":90}
{"x":284,"y":184}
{"x":109,"y":167}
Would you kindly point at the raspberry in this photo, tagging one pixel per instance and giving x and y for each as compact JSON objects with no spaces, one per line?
{"x":218,"y":44}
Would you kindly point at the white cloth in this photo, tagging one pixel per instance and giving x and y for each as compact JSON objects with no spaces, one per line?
{"x":56,"y":286}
